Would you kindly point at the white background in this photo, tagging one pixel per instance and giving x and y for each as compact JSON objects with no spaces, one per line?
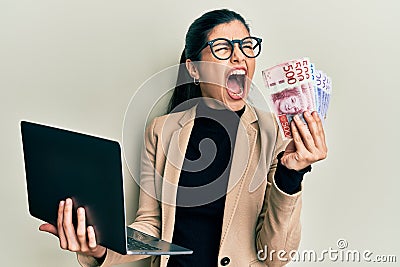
{"x":76,"y":64}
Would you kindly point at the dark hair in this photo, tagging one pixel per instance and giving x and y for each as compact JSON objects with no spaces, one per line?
{"x":196,"y":37}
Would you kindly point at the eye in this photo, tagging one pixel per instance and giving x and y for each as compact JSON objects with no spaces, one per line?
{"x":221,"y":46}
{"x":247,"y":45}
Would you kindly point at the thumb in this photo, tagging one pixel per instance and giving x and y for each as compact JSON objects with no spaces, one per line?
{"x":49,"y":228}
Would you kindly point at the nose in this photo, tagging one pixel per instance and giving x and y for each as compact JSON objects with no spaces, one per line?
{"x":237,"y":55}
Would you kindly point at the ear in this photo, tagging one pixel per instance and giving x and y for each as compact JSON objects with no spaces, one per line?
{"x":192,"y":69}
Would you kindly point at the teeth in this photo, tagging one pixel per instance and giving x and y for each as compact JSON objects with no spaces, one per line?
{"x":238,"y":72}
{"x":237,"y":94}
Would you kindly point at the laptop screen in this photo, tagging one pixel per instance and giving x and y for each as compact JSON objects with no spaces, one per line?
{"x":61,"y":164}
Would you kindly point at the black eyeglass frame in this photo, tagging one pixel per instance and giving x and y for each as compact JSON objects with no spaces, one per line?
{"x":232,"y":43}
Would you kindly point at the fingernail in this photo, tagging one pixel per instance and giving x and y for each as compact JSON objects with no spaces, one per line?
{"x":296,"y":117}
{"x":81,"y":210}
{"x":307,"y":114}
{"x":62,"y":203}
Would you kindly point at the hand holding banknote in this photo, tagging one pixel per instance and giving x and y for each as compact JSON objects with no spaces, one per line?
{"x":308,"y":145}
{"x":299,"y":96}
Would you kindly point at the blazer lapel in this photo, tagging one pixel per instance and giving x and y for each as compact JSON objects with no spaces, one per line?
{"x":244,"y":146}
{"x":173,"y":163}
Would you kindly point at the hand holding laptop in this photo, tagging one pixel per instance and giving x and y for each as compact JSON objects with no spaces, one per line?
{"x":68,"y":174}
{"x":81,"y":240}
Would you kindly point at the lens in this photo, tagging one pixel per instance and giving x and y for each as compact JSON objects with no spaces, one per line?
{"x":251,"y":46}
{"x":222,"y":49}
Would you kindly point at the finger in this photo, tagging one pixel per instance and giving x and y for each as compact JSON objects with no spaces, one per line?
{"x":314,"y":129}
{"x":60,"y":229}
{"x":81,"y":229}
{"x":319,"y":125}
{"x":298,"y":142}
{"x":304,"y":134}
{"x":69,"y":228}
{"x":321,"y":142}
{"x":91,"y":237}
{"x":49,"y":228}
{"x":323,"y":148}
{"x":98,"y":251}
{"x":291,"y":160}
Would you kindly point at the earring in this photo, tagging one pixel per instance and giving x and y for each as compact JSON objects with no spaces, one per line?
{"x":196,"y":82}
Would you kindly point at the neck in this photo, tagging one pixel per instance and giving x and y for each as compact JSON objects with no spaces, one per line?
{"x":216,"y":104}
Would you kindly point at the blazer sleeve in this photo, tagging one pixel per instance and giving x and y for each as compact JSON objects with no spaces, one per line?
{"x":278,"y":228}
{"x":148,"y":214}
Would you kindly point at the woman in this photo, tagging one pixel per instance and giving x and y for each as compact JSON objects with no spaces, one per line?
{"x":216,"y":176}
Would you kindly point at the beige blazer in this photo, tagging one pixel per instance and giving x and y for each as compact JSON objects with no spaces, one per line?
{"x":257,"y":214}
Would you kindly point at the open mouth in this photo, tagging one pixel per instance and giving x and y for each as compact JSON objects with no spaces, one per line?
{"x":235,"y":83}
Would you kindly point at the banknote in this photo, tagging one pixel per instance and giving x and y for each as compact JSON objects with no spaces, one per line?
{"x":296,"y":86}
{"x":323,"y":84}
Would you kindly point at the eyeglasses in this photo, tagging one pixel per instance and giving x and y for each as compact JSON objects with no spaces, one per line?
{"x":222,"y":48}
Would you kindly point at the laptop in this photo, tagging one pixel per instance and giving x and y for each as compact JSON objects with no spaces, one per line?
{"x":61,"y":164}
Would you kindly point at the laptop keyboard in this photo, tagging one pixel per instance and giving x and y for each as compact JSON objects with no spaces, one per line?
{"x":134,"y":244}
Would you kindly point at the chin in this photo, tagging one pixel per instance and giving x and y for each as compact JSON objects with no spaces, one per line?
{"x":234,"y":105}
